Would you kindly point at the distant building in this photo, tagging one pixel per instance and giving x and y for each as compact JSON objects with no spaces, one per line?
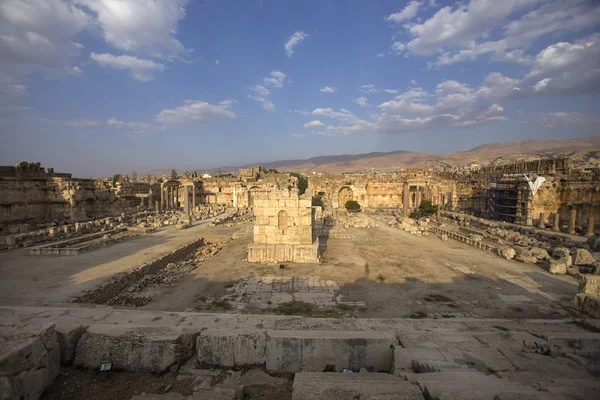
{"x":206,"y":175}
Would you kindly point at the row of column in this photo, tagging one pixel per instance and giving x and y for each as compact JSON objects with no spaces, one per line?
{"x":170,"y":198}
{"x":555,"y":218}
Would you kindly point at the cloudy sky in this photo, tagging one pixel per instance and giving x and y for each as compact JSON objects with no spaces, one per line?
{"x":103,"y":86}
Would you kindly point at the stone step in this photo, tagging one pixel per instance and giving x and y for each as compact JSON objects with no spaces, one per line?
{"x":342,"y":386}
{"x":468,"y":385}
{"x":575,"y":340}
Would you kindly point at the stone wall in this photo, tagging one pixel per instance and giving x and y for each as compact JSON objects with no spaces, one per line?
{"x":283,"y":228}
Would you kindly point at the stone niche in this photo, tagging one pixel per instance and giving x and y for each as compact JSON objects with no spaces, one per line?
{"x":283,"y":228}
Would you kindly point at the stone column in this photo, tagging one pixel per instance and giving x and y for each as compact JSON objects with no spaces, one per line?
{"x":194,"y":197}
{"x":177,"y":197}
{"x":162,"y":204}
{"x":156,"y":205}
{"x":406,"y":199}
{"x":141,"y":202}
{"x":454,"y":199}
{"x":542,"y":221}
{"x":556,"y":222}
{"x":418,"y":197}
{"x":572,"y":220}
{"x":589,"y":231}
{"x":186,"y":197}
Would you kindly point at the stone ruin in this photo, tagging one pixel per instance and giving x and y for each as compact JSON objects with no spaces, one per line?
{"x":283,"y":230}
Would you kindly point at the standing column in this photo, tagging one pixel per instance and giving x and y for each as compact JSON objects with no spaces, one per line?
{"x":177,"y":197}
{"x":454,"y":198}
{"x":572,"y":220}
{"x":542,"y":221}
{"x":194,"y":197}
{"x":141,"y":202}
{"x":156,"y":206}
{"x":186,"y":197}
{"x":170,"y":197}
{"x":406,"y":199}
{"x":556,"y":222}
{"x":418,"y":197}
{"x":590,"y":226}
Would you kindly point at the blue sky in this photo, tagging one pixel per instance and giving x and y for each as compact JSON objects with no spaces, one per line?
{"x":96,"y":87}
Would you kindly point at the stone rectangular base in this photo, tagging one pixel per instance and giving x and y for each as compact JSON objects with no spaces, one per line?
{"x":265,"y":253}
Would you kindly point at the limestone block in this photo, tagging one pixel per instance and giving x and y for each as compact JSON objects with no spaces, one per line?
{"x":231,"y":348}
{"x":582,"y":257}
{"x":540,"y":254}
{"x":132,"y":348}
{"x":557,"y":266}
{"x":589,"y":284}
{"x":507,"y":253}
{"x":294,"y":351}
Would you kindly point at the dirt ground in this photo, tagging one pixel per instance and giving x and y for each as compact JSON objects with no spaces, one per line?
{"x":377,"y":272}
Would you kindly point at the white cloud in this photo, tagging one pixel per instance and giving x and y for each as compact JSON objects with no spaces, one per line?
{"x":195,"y":112}
{"x":314,"y":124}
{"x":297,"y":135}
{"x":398,"y":47}
{"x":380,"y":55}
{"x":217,"y":62}
{"x":302,"y":112}
{"x":328,"y":89}
{"x":261,"y":90}
{"x":293,"y":41}
{"x":275,"y":79}
{"x":84,"y":123}
{"x":266,"y":103}
{"x":462,"y":32}
{"x":391,"y":91}
{"x":368,"y":89}
{"x":140,"y":69}
{"x":362,"y":101}
{"x":407,"y":13}
{"x":148,"y":27}
{"x":561,"y":119}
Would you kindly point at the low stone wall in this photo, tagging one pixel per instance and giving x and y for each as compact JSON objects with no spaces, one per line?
{"x":62,"y":247}
{"x":262,"y":253}
{"x":461,"y":238}
{"x":587,"y":300}
{"x":105,"y":293}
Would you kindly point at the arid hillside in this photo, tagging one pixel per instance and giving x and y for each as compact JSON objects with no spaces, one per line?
{"x":494,"y":152}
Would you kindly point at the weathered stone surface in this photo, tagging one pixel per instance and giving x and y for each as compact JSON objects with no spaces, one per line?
{"x":540,"y":254}
{"x":444,"y":237}
{"x":507,"y":252}
{"x":557,"y":266}
{"x":589,"y":284}
{"x":152,"y":349}
{"x":582,"y":257}
{"x":68,"y":335}
{"x":231,"y":348}
{"x":293,"y":351}
{"x":560,"y":252}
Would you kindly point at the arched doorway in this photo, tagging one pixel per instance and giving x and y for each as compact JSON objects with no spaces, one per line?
{"x":345,"y":194}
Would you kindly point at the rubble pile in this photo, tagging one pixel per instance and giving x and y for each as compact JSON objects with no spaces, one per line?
{"x":241,"y":215}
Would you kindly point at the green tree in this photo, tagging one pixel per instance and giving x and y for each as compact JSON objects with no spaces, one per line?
{"x":302,"y":182}
{"x":317,"y":201}
{"x":116,"y":179}
{"x":352,"y":205}
{"x":149,"y":177}
{"x":426,"y":208}
{"x":173,"y":174}
{"x":134,"y":176}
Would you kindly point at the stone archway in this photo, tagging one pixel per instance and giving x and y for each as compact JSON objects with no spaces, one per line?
{"x":345,"y":194}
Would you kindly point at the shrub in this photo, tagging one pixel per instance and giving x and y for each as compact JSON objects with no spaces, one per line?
{"x":302,"y":182}
{"x":352,"y":205}
{"x":426,"y":208}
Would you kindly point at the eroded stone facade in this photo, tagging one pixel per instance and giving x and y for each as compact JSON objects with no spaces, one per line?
{"x":283,"y":228}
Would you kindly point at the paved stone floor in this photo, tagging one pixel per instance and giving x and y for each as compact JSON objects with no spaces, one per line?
{"x":270,"y":291}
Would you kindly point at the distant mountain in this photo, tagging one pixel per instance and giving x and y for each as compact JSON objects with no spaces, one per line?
{"x":394,"y":160}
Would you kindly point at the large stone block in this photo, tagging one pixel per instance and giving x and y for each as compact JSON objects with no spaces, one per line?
{"x":589,"y":284}
{"x":132,"y":348}
{"x":294,"y":351}
{"x":231,"y":348}
{"x":68,"y":336}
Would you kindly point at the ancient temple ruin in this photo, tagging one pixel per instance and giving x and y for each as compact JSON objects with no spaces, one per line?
{"x":283,"y":228}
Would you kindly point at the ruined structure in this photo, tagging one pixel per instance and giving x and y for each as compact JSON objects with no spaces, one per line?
{"x":283,"y":228}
